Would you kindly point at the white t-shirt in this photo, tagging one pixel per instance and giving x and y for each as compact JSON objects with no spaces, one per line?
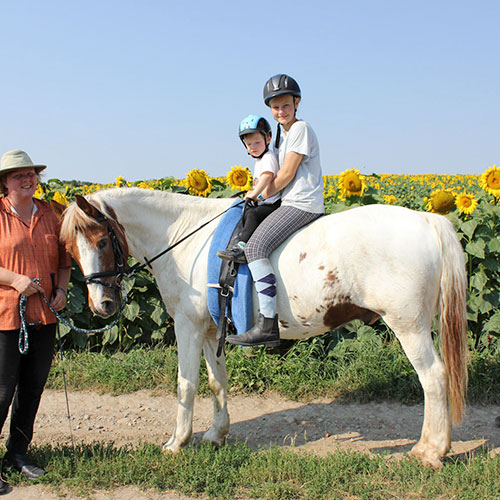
{"x":305,"y":191}
{"x":268,"y":163}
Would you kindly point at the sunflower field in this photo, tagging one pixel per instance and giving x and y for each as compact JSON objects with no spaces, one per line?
{"x":471,"y":202}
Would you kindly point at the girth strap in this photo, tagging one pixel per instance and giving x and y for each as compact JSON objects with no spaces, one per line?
{"x":227,"y":278}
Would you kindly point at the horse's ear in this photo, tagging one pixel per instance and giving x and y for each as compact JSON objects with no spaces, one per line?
{"x":57,"y":208}
{"x":87,"y":207}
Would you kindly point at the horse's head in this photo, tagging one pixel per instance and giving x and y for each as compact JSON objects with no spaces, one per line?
{"x":97,"y":242}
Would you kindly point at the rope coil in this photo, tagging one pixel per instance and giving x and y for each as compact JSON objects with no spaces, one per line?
{"x":23,"y":331}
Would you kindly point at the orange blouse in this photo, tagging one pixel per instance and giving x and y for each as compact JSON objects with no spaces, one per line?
{"x":33,"y":251}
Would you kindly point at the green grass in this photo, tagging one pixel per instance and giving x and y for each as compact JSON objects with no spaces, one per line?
{"x":268,"y":474}
{"x":361,"y":369}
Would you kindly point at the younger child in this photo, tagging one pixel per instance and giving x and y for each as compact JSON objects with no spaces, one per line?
{"x":255,"y":133}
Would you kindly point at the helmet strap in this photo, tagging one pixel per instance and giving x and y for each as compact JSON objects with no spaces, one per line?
{"x":278,"y":135}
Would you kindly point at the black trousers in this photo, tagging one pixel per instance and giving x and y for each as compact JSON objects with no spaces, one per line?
{"x":254,"y":216}
{"x":24,"y":374}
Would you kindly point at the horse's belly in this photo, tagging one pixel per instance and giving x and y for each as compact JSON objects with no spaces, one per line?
{"x":313,"y":298}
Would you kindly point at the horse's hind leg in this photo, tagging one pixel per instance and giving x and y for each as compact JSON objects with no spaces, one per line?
{"x":435,"y":440}
{"x":189,"y":345}
{"x":217,"y":381}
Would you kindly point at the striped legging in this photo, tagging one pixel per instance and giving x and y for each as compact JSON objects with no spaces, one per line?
{"x":275,"y":229}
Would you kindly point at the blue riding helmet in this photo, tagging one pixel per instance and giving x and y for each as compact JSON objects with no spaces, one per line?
{"x":252,"y":124}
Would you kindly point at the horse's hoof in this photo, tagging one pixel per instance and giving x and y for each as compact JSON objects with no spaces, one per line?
{"x":428,"y":459}
{"x":213,"y":437}
{"x":171,"y":448}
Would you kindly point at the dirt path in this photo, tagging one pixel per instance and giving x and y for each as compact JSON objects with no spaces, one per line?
{"x":317,"y":427}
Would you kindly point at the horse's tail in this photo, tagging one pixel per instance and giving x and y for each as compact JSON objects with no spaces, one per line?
{"x":452,"y":314}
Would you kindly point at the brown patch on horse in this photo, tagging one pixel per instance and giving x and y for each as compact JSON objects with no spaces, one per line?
{"x":321,"y":268}
{"x":344,"y":312}
{"x":77,"y":221}
{"x":283,"y":324}
{"x":331,"y":277}
{"x":302,"y":256}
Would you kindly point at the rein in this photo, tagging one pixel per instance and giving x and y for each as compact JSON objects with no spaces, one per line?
{"x":119,"y":255}
{"x":139,"y":267}
{"x":119,"y":271}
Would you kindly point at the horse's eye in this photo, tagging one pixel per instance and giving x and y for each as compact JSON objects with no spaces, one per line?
{"x":102,"y":243}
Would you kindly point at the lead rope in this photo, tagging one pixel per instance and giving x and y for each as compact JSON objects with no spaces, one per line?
{"x":23,"y":342}
{"x":68,"y":413}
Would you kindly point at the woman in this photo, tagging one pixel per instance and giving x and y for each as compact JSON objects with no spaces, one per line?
{"x":29,"y":249}
{"x":301,"y":182}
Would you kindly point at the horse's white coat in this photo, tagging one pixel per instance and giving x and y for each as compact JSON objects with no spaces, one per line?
{"x":379,"y":259}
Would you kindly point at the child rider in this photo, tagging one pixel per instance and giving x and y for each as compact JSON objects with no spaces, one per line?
{"x":255,"y":133}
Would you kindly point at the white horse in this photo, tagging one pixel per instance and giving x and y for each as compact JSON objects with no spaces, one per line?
{"x":372,"y":261}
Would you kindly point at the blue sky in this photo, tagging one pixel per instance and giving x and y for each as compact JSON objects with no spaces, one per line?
{"x":146,"y":89}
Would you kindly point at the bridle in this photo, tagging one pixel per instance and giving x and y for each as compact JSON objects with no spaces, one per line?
{"x":119,"y":259}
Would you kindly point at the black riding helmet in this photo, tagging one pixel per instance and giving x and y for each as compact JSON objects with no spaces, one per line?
{"x":280,"y":85}
{"x":252,"y":124}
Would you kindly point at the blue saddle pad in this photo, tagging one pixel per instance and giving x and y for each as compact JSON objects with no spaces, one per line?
{"x":242,"y":297}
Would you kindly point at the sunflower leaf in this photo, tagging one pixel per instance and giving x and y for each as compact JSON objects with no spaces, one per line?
{"x":476,"y":248}
{"x":468,"y":227}
{"x":479,"y":280}
{"x":493,"y":324}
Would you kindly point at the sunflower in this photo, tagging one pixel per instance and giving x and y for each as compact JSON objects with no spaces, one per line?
{"x":441,"y":201}
{"x":120,"y":181}
{"x":352,"y":183}
{"x":239,"y":178}
{"x":198,"y":182}
{"x":490,"y":181}
{"x":466,"y":203}
{"x":60,"y":198}
{"x":390,"y":199}
{"x":39,"y":192}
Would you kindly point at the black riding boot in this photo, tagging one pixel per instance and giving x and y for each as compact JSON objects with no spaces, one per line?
{"x":265,"y":332}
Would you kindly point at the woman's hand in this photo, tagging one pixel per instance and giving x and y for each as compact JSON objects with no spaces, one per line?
{"x":59,"y":300}
{"x":25,"y":285}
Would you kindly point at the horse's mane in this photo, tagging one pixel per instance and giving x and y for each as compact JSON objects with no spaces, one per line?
{"x":73,"y":221}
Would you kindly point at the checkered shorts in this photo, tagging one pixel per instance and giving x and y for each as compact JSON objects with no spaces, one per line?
{"x":275,"y":229}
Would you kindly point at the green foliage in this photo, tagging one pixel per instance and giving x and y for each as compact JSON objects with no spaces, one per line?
{"x":479,"y":237}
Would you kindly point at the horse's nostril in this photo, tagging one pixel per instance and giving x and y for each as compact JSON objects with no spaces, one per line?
{"x":108,"y":306}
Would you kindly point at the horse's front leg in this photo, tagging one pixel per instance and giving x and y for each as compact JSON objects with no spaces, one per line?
{"x":217,"y":381}
{"x":189,"y":345}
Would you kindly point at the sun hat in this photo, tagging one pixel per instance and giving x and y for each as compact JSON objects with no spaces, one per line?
{"x":15,"y":159}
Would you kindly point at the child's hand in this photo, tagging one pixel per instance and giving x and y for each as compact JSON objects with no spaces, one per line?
{"x":251,"y":195}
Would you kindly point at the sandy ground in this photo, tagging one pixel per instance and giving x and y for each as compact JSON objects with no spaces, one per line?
{"x":317,"y":427}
